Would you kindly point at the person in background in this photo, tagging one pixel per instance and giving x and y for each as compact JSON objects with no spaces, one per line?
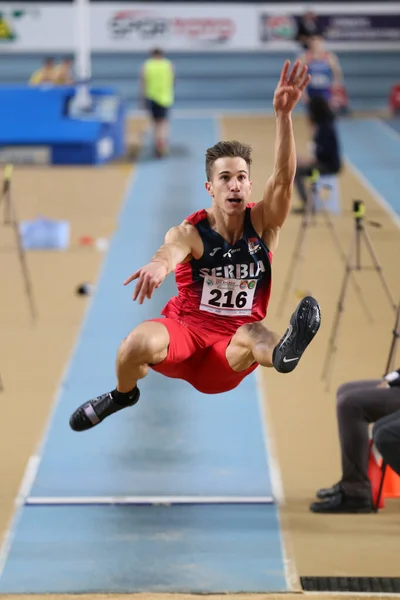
{"x":359,"y":403}
{"x":63,"y":72}
{"x":327,"y":156}
{"x":45,"y":74}
{"x":157,"y":95}
{"x":324,"y":69}
{"x":307,"y":27}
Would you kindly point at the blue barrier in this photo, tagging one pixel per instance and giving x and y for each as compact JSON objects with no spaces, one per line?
{"x":45,"y":117}
{"x":210,"y":80}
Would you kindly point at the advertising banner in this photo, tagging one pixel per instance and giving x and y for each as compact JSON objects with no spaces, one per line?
{"x":185,"y":27}
{"x":131,"y":27}
{"x":353,"y":28}
{"x":36,"y":28}
{"x":195,"y":27}
{"x":344,"y":27}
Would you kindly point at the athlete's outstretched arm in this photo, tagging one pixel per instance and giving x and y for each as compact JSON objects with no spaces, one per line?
{"x":180,"y":243}
{"x":278,"y":190}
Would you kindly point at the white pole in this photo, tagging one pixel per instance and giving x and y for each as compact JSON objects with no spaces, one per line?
{"x":82,"y":53}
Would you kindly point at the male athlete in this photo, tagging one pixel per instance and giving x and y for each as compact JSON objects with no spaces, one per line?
{"x":211,"y":334}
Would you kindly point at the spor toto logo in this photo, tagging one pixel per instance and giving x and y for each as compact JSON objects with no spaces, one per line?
{"x":146,"y":25}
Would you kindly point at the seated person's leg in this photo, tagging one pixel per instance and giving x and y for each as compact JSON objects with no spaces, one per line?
{"x":358,"y":404}
{"x":345,"y":390}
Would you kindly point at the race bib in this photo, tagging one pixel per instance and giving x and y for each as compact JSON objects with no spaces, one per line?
{"x":228,"y":297}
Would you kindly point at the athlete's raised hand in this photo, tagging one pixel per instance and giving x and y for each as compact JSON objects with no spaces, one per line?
{"x":290,"y":87}
{"x":149,"y":278}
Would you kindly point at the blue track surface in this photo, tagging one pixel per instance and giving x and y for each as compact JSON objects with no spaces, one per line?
{"x":146,"y":549}
{"x":175,"y":442}
{"x":374,"y":149}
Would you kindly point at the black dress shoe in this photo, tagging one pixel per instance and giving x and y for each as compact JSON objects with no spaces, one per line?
{"x":340,"y":503}
{"x":327,"y":492}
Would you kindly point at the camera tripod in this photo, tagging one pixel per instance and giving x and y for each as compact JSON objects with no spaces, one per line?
{"x":309,"y":218}
{"x":353,"y":263}
{"x":10,"y":218}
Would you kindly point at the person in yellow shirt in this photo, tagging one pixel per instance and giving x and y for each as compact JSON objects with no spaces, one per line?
{"x":63,"y":72}
{"x":157,"y":95}
{"x":45,"y":74}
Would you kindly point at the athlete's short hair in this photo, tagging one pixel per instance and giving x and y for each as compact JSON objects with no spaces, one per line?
{"x":229,"y":149}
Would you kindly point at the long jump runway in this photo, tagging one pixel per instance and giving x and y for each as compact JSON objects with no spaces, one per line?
{"x":174,"y":494}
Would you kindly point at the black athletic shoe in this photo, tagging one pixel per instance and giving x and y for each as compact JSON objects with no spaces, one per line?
{"x":303,"y":327}
{"x":327,"y":492}
{"x":93,"y":412}
{"x":340,"y":503}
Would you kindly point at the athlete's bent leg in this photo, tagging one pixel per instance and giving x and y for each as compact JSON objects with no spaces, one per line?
{"x":146,"y":345}
{"x":255,"y":343}
{"x":252,"y":343}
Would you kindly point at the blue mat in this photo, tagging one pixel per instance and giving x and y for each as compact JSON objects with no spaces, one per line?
{"x":176,"y":441}
{"x":125,"y":549}
{"x":41,"y":116}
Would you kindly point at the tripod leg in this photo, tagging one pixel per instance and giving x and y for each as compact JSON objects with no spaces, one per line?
{"x":327,"y":368}
{"x":292,"y":266}
{"x":342,"y":254}
{"x":24,"y":266}
{"x":326,"y":371}
{"x":7,"y":204}
{"x":296,"y":257}
{"x":393,"y":347}
{"x":5,"y":197}
{"x":335,"y":236}
{"x":25,"y":271}
{"x":378,"y":268}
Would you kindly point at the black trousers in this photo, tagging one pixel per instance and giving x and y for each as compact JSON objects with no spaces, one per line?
{"x":303,"y":172}
{"x":386,"y":435}
{"x":360,"y":403}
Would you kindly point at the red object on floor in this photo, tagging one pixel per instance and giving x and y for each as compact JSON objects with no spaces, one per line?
{"x":391,"y":483}
{"x":394,"y":98}
{"x":375,"y":475}
{"x":86,"y":240}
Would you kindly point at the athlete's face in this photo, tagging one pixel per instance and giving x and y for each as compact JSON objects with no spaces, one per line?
{"x":230,"y":185}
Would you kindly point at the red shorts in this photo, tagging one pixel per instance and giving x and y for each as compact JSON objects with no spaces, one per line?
{"x":198,"y":356}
